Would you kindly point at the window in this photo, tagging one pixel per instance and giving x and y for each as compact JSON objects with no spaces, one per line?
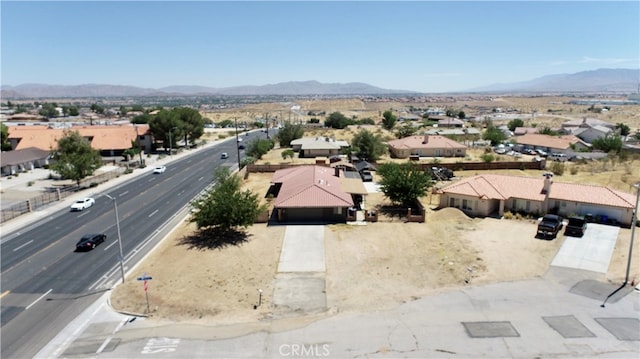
{"x":452,"y":202}
{"x":466,"y":205}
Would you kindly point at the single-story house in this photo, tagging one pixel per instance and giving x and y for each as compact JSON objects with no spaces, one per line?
{"x":558,"y":144}
{"x":493,"y":195}
{"x":591,"y":133}
{"x":109,"y":140}
{"x":450,"y":122}
{"x":520,"y":131}
{"x":318,"y":146}
{"x":23,"y":160}
{"x":426,"y":146}
{"x":570,"y":126}
{"x":315,"y":193}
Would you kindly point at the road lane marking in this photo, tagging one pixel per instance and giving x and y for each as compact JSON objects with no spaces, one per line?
{"x":109,"y":246}
{"x":104,"y":345}
{"x":152,"y":179}
{"x":123,"y":193}
{"x":201,"y":178}
{"x":84,"y":213}
{"x":154,"y":212}
{"x":5,"y":293}
{"x":36,"y":301}
{"x":26,"y":244}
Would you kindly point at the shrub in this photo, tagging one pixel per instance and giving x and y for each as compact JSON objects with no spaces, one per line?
{"x":30,"y":183}
{"x":508,"y":215}
{"x":93,"y":184}
{"x":574,"y":170}
{"x":128,"y":170}
{"x":557,"y":168}
{"x":487,"y":157}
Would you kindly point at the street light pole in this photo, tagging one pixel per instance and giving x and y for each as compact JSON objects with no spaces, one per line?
{"x":115,"y":208}
{"x":237,"y":142}
{"x":633,"y":230}
{"x":171,"y":142}
{"x":634,"y":221}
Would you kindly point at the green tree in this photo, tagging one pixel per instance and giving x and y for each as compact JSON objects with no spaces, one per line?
{"x":141,"y":119}
{"x":367,"y":121}
{"x":403,"y":183}
{"x":123,"y":110}
{"x":97,"y":108}
{"x":338,"y":120}
{"x":225,"y":206}
{"x":191,"y":124}
{"x":289,"y":133}
{"x":548,"y":131}
{"x":226,"y":123}
{"x":166,"y":126}
{"x":462,"y":115}
{"x":368,"y":146}
{"x":515,"y":123}
{"x":624,"y":129}
{"x":74,"y":158}
{"x":48,"y":110}
{"x":288,"y":153}
{"x":258,"y":148}
{"x":6,"y":145}
{"x":608,"y":143}
{"x":406,"y":130}
{"x":388,"y":120}
{"x":494,"y":134}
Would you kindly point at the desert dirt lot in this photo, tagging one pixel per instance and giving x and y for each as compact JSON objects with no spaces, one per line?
{"x":369,"y":267}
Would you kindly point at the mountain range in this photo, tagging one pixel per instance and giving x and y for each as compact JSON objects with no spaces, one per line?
{"x":595,"y":81}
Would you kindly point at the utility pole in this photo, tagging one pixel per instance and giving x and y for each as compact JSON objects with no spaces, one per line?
{"x":237,"y":142}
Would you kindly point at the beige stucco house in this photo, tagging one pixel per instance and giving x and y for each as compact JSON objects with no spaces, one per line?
{"x":426,"y":146}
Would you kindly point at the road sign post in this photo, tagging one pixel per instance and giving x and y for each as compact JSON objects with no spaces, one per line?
{"x":145,"y":284}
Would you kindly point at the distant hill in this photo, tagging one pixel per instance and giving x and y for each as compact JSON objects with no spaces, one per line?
{"x":595,"y":81}
{"x":284,"y":88}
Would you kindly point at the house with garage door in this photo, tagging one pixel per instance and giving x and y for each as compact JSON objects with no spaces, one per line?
{"x":493,"y":195}
{"x":318,"y":146}
{"x":315,"y":194}
{"x":426,"y":146}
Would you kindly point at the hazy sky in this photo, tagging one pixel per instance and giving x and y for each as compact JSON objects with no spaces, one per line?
{"x":424,"y":46}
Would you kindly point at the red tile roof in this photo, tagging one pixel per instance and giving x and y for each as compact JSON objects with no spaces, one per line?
{"x":103,"y":137}
{"x":493,"y":186}
{"x":419,"y":142}
{"x":310,"y":187}
{"x":557,"y":142}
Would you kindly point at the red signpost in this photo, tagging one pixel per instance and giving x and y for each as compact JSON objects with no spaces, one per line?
{"x":145,"y":278}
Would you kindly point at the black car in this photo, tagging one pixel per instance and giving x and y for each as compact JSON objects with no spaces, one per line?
{"x":242,"y":146}
{"x":90,"y":241}
{"x":366,"y":176}
{"x":550,"y":225}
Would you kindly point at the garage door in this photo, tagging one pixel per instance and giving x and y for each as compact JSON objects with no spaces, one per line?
{"x":611,"y":213}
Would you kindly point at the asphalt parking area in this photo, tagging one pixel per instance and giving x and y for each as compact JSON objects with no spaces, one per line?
{"x":590,"y":252}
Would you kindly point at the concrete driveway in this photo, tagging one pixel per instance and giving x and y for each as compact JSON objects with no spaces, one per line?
{"x":592,"y":252}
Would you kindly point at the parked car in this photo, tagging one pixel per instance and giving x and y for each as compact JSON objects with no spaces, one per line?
{"x":160,"y":169}
{"x":550,"y":225}
{"x":576,"y":226}
{"x":541,"y":153}
{"x":242,"y":146}
{"x":224,"y":155}
{"x":90,"y":241}
{"x":366,"y":176}
{"x":82,"y":204}
{"x":560,"y":157}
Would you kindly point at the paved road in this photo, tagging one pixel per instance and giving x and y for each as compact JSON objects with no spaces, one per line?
{"x":45,"y":284}
{"x":559,"y":315}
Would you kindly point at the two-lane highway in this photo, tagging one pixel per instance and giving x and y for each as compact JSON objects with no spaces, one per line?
{"x":46,"y":284}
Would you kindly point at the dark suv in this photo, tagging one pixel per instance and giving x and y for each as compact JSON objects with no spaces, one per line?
{"x":90,"y":241}
{"x":576,"y":226}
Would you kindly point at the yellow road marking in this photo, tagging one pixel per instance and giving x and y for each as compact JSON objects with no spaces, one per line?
{"x":5,"y":293}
